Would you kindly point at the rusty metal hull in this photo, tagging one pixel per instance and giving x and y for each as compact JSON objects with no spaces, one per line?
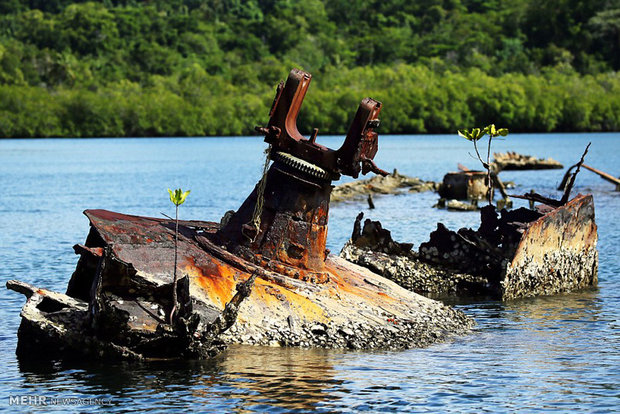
{"x":557,"y":253}
{"x":352,"y":308}
{"x":464,"y":185}
{"x":271,"y":251}
{"x":520,"y":254}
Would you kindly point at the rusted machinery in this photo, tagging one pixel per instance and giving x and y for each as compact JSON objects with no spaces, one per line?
{"x":471,"y":186}
{"x":464,"y":185}
{"x":282,"y":225}
{"x":119,"y":295}
{"x":607,"y":177}
{"x":518,"y":253}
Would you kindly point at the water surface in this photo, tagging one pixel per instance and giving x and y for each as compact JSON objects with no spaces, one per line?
{"x":555,"y":353}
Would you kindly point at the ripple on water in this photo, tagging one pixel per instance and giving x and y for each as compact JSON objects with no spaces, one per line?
{"x":560,"y":353}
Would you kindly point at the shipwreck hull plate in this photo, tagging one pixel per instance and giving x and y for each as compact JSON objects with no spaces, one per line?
{"x":557,"y":253}
{"x":354,"y":308}
{"x":554,"y":252}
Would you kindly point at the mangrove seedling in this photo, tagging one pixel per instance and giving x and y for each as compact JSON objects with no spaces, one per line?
{"x":177,"y":197}
{"x":474,"y":135}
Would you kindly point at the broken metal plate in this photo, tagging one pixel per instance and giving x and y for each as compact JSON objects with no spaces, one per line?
{"x":354,"y":308}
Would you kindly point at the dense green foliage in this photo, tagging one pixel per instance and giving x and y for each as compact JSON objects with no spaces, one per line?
{"x":209,"y":67}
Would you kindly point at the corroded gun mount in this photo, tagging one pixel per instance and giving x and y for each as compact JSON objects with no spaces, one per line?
{"x":282,"y":225}
{"x":356,"y":153}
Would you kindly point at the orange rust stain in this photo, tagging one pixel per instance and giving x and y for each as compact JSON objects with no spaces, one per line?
{"x":151,"y":327}
{"x":346,"y":280}
{"x":350,"y":282}
{"x":218,"y":285}
{"x":220,"y":282}
{"x":299,"y":304}
{"x":385,"y":298}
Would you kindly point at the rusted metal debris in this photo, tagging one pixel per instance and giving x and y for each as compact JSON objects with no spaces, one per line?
{"x":462,"y":190}
{"x":373,"y":236}
{"x":497,"y":182}
{"x":464,"y":185}
{"x":524,"y":252}
{"x":301,"y":294}
{"x":567,"y":186}
{"x":394,"y":183}
{"x":371,"y":248}
{"x":126,"y":322}
{"x":607,"y":177}
{"x":514,"y":254}
{"x":514,"y":161}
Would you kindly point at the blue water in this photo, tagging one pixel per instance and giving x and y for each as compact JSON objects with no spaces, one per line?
{"x":559,"y":353}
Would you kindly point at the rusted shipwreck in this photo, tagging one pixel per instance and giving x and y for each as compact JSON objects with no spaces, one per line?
{"x":290,"y":290}
{"x":514,"y":161}
{"x":524,"y":252}
{"x":463,"y":189}
{"x":393,"y":183}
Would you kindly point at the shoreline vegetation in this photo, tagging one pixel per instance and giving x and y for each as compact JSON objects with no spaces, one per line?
{"x":209,"y":68}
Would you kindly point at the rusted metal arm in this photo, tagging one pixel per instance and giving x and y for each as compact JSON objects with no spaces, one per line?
{"x":538,"y":198}
{"x":571,"y":180}
{"x":361,"y":144}
{"x":355,"y":155}
{"x":567,"y":185}
{"x":604,"y":176}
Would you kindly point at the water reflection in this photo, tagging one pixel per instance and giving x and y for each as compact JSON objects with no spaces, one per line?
{"x":289,"y":378}
{"x":524,"y":351}
{"x":558,"y":353}
{"x":584,"y":306}
{"x":250,"y":378}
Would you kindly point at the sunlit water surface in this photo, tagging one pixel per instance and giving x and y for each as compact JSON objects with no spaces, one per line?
{"x":558,"y":353}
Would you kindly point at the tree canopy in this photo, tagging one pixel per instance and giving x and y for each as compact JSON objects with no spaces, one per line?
{"x":209,"y":67}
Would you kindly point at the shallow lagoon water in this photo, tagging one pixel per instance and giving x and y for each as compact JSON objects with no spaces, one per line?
{"x":555,"y":353}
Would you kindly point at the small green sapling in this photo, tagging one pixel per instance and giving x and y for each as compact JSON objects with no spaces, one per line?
{"x":177,"y":197}
{"x":474,"y":135}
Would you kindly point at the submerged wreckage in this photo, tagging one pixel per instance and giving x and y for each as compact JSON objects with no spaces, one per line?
{"x":516,"y":253}
{"x":119,"y":296}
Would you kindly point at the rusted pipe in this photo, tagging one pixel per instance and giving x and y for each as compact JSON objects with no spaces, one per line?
{"x":604,"y":176}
